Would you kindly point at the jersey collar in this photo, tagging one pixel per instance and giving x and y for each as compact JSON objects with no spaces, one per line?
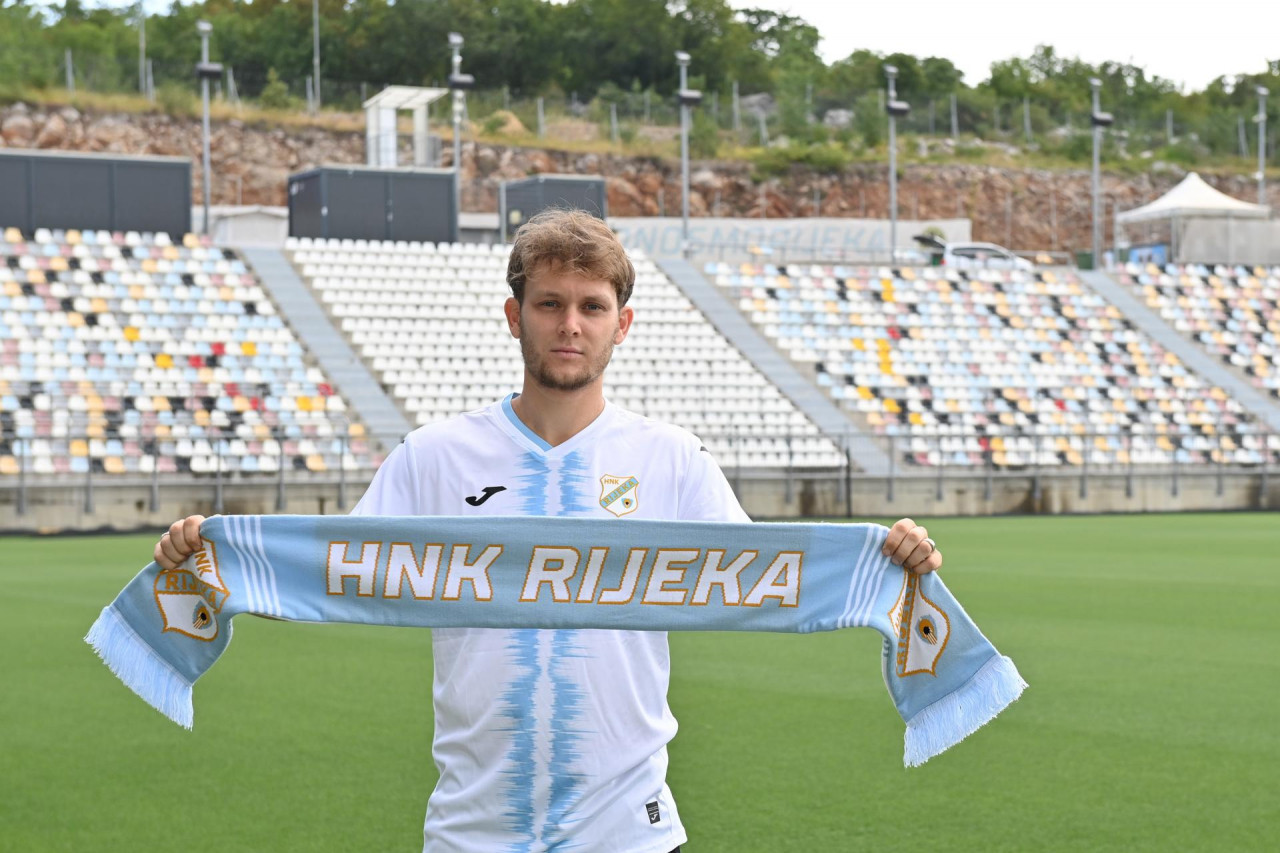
{"x":520,"y":431}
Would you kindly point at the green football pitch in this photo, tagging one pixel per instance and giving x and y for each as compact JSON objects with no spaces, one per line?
{"x":1151,"y":644}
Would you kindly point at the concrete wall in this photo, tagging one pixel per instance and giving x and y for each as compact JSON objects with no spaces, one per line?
{"x":127,"y":506}
{"x":857,"y":240}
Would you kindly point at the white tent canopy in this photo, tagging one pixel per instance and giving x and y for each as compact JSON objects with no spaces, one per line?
{"x":1193,"y":198}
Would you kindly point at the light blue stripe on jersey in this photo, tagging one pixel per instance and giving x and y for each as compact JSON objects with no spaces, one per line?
{"x":538,"y":440}
{"x":534,"y":484}
{"x":521,"y":758}
{"x":573,"y":485}
{"x":567,"y":699}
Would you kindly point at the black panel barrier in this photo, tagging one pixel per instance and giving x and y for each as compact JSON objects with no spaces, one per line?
{"x":15,"y":198}
{"x":92,"y":191}
{"x":417,"y":206}
{"x":151,"y":199}
{"x":373,"y":204}
{"x":522,"y":199}
{"x":306,"y":205}
{"x":357,"y":205}
{"x":72,"y":194}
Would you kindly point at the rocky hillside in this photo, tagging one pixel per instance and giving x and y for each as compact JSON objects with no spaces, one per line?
{"x":1023,"y":208}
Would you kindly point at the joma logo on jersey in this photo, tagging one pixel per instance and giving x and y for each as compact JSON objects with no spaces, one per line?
{"x":922,"y":628}
{"x":619,"y":495}
{"x":189,"y":596}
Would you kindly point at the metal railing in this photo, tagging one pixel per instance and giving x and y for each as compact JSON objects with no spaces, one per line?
{"x":784,"y":459}
{"x":94,"y":476}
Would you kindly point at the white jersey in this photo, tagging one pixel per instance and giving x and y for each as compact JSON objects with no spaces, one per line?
{"x":551,"y":740}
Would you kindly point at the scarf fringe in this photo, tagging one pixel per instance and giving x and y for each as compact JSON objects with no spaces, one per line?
{"x":140,"y":668}
{"x":962,"y":712}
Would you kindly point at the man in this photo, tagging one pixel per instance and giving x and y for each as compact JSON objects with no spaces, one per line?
{"x":556,"y":737}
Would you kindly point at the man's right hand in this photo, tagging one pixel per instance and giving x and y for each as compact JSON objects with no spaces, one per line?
{"x":181,"y":541}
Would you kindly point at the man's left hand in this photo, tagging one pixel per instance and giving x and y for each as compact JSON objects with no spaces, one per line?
{"x":909,"y":546}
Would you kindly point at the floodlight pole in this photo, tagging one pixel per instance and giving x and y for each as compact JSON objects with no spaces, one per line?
{"x":315,"y":48}
{"x":205,"y":28}
{"x":894,"y":108}
{"x":1262,"y":144}
{"x":142,"y":48}
{"x":1095,"y":84}
{"x":455,"y":44}
{"x":682,"y":59}
{"x":892,"y":73}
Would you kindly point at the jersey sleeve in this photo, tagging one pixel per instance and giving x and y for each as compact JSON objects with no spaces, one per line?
{"x":394,"y":490}
{"x":705,"y":494}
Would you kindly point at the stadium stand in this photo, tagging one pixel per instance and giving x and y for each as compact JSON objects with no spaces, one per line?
{"x":125,"y":353}
{"x":1232,"y":312}
{"x":1010,"y":368}
{"x":427,"y":320}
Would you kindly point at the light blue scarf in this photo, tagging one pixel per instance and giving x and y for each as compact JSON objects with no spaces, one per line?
{"x":166,"y":628}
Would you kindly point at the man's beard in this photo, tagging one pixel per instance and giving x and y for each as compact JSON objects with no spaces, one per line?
{"x":540,"y":370}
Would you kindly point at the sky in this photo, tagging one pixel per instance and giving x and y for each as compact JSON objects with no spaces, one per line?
{"x":1190,"y":42}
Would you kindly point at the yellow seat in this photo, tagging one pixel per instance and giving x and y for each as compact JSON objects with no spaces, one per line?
{"x":249,"y":348}
{"x":164,"y":360}
{"x":78,"y":447}
{"x":315,"y":462}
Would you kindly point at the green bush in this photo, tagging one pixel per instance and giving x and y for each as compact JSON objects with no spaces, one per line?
{"x":176,"y":100}
{"x":772,"y":162}
{"x":704,"y":138}
{"x":275,"y":95}
{"x":1181,"y":152}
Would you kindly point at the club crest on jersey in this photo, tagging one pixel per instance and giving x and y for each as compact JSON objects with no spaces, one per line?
{"x":619,"y":495}
{"x":922,"y":629}
{"x":190,"y":596}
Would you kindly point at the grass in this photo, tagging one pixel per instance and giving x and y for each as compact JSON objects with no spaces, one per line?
{"x":1149,"y":643}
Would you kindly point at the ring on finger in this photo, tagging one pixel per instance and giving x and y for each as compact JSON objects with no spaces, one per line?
{"x":933,"y":546}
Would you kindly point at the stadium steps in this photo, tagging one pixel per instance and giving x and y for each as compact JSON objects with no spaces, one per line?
{"x":728,"y":320}
{"x":1191,"y":354}
{"x":340,"y":363}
